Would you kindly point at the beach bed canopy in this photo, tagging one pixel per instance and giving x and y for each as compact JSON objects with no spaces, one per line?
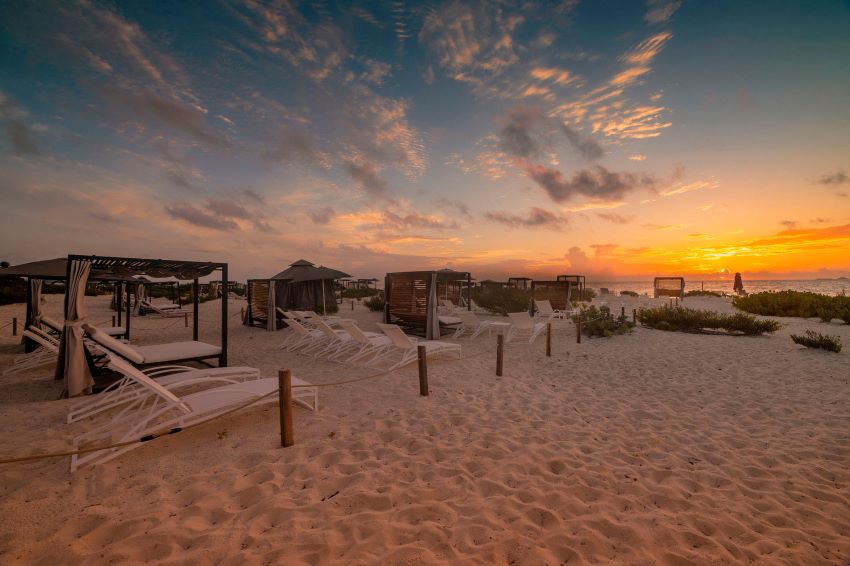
{"x":519,"y":282}
{"x":669,"y":287}
{"x":412,"y":298}
{"x":72,"y":365}
{"x":578,"y":281}
{"x":302,"y":286}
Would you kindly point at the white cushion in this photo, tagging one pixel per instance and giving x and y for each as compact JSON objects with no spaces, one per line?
{"x":114,"y":330}
{"x":449,"y":320}
{"x":176,"y":351}
{"x":122,"y":349}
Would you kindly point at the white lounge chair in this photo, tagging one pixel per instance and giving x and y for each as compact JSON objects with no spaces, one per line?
{"x":127,"y":390}
{"x":300,"y":338}
{"x":470,"y":323}
{"x":523,"y":325}
{"x":364,"y":345}
{"x":56,"y":327}
{"x":334,"y":342}
{"x":156,"y":354}
{"x":407,"y":346}
{"x":162,"y":410}
{"x":545,"y":310}
{"x":45,"y":353}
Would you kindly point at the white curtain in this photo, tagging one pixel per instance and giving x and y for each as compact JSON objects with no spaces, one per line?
{"x":432,"y":330}
{"x":72,"y":350}
{"x":271,"y":324}
{"x":35,"y":302}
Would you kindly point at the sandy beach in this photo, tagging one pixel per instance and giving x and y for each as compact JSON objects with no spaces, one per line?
{"x":648,"y":448}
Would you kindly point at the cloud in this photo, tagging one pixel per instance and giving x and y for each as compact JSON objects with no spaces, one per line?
{"x":614,"y":217}
{"x":560,"y":77}
{"x":414,"y":220}
{"x":790,"y":224}
{"x":228,"y":208}
{"x":293,"y":145}
{"x":188,"y":119}
{"x":367,"y":175}
{"x":517,"y":136}
{"x":637,"y":157}
{"x":375,"y":71}
{"x":597,"y":182}
{"x":586,"y":146}
{"x":199,"y":217}
{"x":535,"y":218}
{"x":837,"y":178}
{"x":321,"y":215}
{"x":454,"y":207}
{"x":660,"y":11}
{"x":689,"y":187}
{"x":19,"y":132}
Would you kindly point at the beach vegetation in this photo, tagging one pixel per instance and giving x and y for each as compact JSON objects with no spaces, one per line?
{"x":502,"y":301}
{"x":599,"y":322}
{"x":817,"y":340}
{"x":802,"y":304}
{"x":375,"y":303}
{"x":702,"y":293}
{"x":629,"y":294}
{"x":681,"y":319}
{"x":359,"y":293}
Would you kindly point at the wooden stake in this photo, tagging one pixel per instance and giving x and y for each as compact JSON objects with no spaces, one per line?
{"x":113,"y":321}
{"x":186,"y":319}
{"x":284,"y":400}
{"x":549,"y":339}
{"x":623,"y":312}
{"x":352,"y":305}
{"x":422,"y":353}
{"x":500,"y":353}
{"x":14,"y":326}
{"x":634,"y":316}
{"x":578,"y":331}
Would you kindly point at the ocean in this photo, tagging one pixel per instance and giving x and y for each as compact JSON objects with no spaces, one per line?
{"x":823,"y":286}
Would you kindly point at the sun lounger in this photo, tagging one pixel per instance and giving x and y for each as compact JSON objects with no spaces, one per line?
{"x":470,"y":323}
{"x":162,"y":410}
{"x":157,"y":354}
{"x":45,"y":353}
{"x":524,"y":325}
{"x":56,"y":327}
{"x":164,"y":311}
{"x":364,"y":345}
{"x":407,"y":347}
{"x":545,"y":310}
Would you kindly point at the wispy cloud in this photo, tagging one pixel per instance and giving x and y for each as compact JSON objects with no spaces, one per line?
{"x":597,"y":182}
{"x":838,"y":178}
{"x":535,"y":218}
{"x":660,"y":11}
{"x":689,"y":187}
{"x":367,"y":175}
{"x":18,"y":130}
{"x":614,"y":217}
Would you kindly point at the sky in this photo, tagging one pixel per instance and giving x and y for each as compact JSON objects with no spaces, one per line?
{"x":619,"y":140}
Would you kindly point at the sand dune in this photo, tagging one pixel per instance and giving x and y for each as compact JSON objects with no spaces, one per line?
{"x":650,"y":448}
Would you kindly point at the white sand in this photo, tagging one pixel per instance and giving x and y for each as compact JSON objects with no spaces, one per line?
{"x":650,"y":448}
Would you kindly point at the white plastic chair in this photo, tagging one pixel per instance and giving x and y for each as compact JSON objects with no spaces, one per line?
{"x":407,"y":346}
{"x":523,"y":325}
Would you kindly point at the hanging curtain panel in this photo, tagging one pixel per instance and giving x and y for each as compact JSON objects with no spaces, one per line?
{"x":35,"y":302}
{"x":432,"y":332}
{"x":72,"y":351}
{"x":271,"y":323}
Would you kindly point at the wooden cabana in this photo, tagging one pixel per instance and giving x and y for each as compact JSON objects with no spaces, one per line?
{"x":523,"y":283}
{"x":578,"y":281}
{"x":488,"y":284}
{"x":558,"y":293}
{"x":669,"y":287}
{"x":73,"y":364}
{"x":39,"y":272}
{"x":412,"y":299}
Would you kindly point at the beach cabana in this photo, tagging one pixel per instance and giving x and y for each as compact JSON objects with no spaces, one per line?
{"x":302,"y":286}
{"x":37,"y":273}
{"x":558,"y":293}
{"x":73,"y":364}
{"x":669,"y":287}
{"x":523,"y":283}
{"x":489,"y":284}
{"x":412,"y":299}
{"x":577,"y":281}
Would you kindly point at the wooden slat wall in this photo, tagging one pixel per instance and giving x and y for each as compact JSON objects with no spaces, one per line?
{"x":259,"y":300}
{"x":553,"y":291}
{"x":669,"y":287}
{"x":408,"y":300}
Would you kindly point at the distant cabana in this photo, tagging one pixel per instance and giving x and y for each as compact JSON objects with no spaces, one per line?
{"x":523,"y":283}
{"x":558,"y":293}
{"x":302,"y":286}
{"x":413,"y":297}
{"x":577,"y":281}
{"x":74,"y":364}
{"x":669,"y":287}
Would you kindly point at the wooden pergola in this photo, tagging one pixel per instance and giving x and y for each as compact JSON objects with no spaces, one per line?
{"x":577,"y":281}
{"x":669,"y":287}
{"x":556,"y":292}
{"x":523,"y":283}
{"x":412,"y":298}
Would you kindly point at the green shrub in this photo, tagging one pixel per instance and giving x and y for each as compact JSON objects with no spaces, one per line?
{"x":801,"y":304}
{"x":332,"y":308}
{"x":585,"y":295}
{"x":12,"y":290}
{"x":599,"y":322}
{"x":629,"y":293}
{"x":703,"y":294}
{"x":681,"y":319}
{"x":814,"y":339}
{"x":375,"y":303}
{"x":502,"y":301}
{"x":358,"y":293}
